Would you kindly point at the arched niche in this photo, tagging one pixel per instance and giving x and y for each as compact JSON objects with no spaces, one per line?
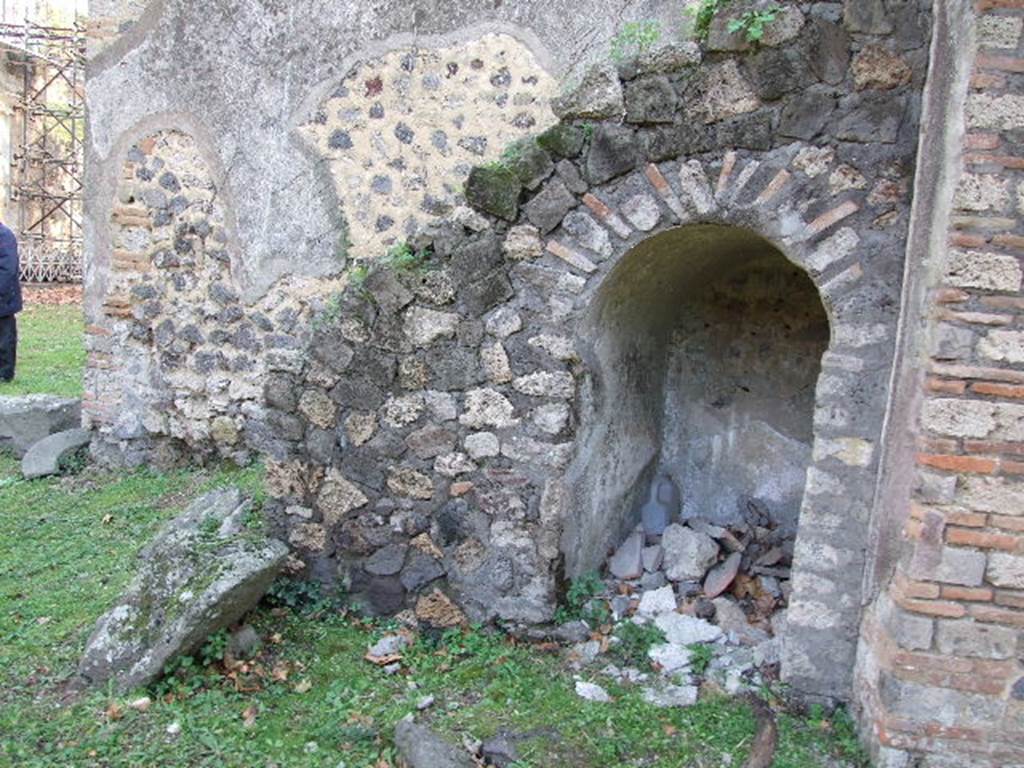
{"x":704,"y":347}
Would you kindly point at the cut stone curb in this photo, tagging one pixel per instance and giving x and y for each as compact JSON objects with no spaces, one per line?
{"x":27,"y":419}
{"x":43,"y":459}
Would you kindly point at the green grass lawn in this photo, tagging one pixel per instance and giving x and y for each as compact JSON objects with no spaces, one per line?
{"x":66,"y":550}
{"x":51,"y":352}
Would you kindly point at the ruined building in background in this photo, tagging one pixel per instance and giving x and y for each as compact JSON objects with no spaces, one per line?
{"x":466,"y":285}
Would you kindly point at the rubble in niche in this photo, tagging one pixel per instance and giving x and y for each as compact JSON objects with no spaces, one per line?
{"x":714,"y":597}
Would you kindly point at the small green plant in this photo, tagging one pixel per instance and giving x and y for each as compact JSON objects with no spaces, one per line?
{"x":74,"y":463}
{"x":254,"y":520}
{"x":577,"y":597}
{"x":182,"y":677}
{"x":298,"y":595}
{"x":635,"y":640}
{"x":214,"y":648}
{"x":208,"y":527}
{"x":357,"y":275}
{"x":330,"y":314}
{"x":404,"y":258}
{"x":635,"y":38}
{"x":844,"y":729}
{"x":700,"y":657}
{"x":753,"y":23}
{"x":473,"y":642}
{"x":703,"y":13}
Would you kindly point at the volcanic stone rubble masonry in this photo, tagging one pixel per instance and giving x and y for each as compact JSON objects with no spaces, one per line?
{"x":419,"y":421}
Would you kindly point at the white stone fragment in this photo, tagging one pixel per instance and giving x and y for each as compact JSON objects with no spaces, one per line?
{"x":999,"y":31}
{"x":671,"y":658}
{"x":671,"y":696}
{"x":551,"y":418}
{"x":592,"y":692}
{"x":696,"y":189}
{"x":503,"y":322}
{"x":487,"y":407}
{"x":987,"y":271}
{"x":657,"y":601}
{"x":1003,"y":346}
{"x":546,"y":384}
{"x":642,"y":211}
{"x":559,"y":347}
{"x":686,"y":630}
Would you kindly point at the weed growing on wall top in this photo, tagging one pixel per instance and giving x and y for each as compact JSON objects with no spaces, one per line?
{"x":634,"y":38}
{"x":703,"y":14}
{"x":752,"y":23}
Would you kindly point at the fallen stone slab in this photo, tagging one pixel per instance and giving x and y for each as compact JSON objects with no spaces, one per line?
{"x":202,"y":572}
{"x":27,"y":419}
{"x":43,"y":459}
{"x":420,"y":747}
{"x":732,"y":619}
{"x":671,"y":658}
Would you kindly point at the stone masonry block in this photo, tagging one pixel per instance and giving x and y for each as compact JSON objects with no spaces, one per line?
{"x":997,"y":495}
{"x":1003,"y":346}
{"x":967,"y":638}
{"x":910,"y":631}
{"x":987,"y":271}
{"x":959,"y":418}
{"x":982,"y":192}
{"x":999,"y":31}
{"x":1005,"y":570}
{"x":953,"y":566}
{"x":986,"y":110}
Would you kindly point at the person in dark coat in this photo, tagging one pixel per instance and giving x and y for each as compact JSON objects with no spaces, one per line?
{"x":10,"y":302}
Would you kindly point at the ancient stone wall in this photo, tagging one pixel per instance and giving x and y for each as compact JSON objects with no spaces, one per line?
{"x":460,"y":437}
{"x":453,"y":426}
{"x":177,"y":360}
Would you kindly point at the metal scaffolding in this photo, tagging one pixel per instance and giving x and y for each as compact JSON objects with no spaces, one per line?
{"x":48,"y":151}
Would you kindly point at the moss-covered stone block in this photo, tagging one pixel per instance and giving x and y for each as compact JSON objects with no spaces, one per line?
{"x":494,"y":189}
{"x":563,"y":140}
